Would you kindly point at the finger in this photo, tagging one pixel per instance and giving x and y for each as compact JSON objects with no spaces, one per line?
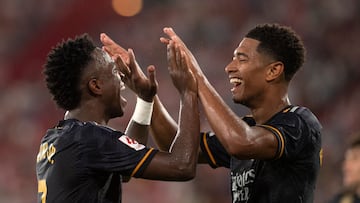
{"x":177,"y":55}
{"x":105,"y":39}
{"x":171,"y":55}
{"x":170,"y":32}
{"x":183,"y":59}
{"x":134,"y":66}
{"x":164,"y":40}
{"x":107,"y":50}
{"x":173,"y":36}
{"x":122,"y":66}
{"x":111,"y":45}
{"x":152,"y":75}
{"x":132,"y":63}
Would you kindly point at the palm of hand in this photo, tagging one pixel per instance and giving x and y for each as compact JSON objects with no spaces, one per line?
{"x":141,"y":85}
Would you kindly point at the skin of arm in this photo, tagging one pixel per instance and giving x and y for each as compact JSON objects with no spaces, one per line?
{"x":238,"y":138}
{"x":180,"y":163}
{"x":163,"y":126}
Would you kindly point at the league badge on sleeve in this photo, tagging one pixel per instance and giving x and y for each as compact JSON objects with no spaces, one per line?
{"x":131,"y":143}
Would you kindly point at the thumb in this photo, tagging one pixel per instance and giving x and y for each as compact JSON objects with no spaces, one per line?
{"x":151,"y":74}
{"x":132,"y":60}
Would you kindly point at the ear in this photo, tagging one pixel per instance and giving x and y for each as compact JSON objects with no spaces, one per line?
{"x":275,"y":71}
{"x":94,"y":86}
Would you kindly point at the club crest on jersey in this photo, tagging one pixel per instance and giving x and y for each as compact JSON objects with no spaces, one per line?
{"x":131,"y":143}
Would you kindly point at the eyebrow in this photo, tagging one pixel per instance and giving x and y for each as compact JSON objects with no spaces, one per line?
{"x":237,"y":54}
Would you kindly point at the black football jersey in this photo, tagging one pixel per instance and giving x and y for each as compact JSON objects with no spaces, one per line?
{"x":290,"y":176}
{"x":86,"y":162}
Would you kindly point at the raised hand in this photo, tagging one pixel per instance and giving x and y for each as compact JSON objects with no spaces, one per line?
{"x":193,"y":64}
{"x":113,"y":48}
{"x":182,"y":77}
{"x":134,"y":78}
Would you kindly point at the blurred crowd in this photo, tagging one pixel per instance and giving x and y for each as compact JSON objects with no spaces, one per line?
{"x":328,"y":83}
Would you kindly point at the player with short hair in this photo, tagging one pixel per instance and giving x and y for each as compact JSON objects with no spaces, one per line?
{"x":81,"y":159}
{"x":351,"y":173}
{"x":273,"y":155}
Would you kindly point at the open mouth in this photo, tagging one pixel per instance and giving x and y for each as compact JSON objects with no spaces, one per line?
{"x":235,"y":81}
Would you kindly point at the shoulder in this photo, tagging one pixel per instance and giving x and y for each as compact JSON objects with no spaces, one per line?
{"x":306,"y":115}
{"x":297,"y":117}
{"x":89,"y":130}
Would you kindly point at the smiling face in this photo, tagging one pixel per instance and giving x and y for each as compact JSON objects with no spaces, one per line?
{"x":112,"y":85}
{"x":247,"y":72}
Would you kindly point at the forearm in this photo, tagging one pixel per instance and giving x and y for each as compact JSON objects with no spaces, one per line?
{"x":163,"y":126}
{"x":186,"y":144}
{"x":228,"y":127}
{"x":180,"y":163}
{"x":138,"y":127}
{"x":138,"y":132}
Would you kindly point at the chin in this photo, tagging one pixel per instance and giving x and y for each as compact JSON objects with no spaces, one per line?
{"x":238,"y":100}
{"x":120,"y":114}
{"x":242,"y":102}
{"x":116,"y":114}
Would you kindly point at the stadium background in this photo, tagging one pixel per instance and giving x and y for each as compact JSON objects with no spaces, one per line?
{"x":329,"y":82}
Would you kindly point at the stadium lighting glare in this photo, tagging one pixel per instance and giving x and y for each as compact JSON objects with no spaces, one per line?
{"x":127,"y":8}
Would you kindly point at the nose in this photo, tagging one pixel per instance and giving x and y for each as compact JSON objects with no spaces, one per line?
{"x":231,"y":67}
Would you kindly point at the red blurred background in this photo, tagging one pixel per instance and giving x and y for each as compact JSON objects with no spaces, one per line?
{"x":328,"y":83}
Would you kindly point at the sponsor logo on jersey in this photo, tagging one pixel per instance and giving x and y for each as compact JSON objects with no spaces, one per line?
{"x":240,"y":184}
{"x":131,"y":143}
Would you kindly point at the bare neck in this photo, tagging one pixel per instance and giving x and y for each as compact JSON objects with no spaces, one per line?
{"x":269,"y":105}
{"x":88,"y":111}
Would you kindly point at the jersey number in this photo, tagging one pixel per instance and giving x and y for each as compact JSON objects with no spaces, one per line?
{"x":42,"y":189}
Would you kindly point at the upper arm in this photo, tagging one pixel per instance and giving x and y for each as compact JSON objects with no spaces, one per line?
{"x":261,"y":143}
{"x":283,"y":136}
{"x":164,"y":167}
{"x":213,"y":152}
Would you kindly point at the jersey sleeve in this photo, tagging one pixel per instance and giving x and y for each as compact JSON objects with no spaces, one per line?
{"x":294,"y":133}
{"x":214,"y":152}
{"x":112,"y":151}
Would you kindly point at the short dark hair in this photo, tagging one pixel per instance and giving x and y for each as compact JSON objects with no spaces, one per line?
{"x":281,"y":43}
{"x":64,"y":67}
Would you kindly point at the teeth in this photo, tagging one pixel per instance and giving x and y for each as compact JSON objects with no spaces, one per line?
{"x":122,"y":86}
{"x":235,"y":80}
